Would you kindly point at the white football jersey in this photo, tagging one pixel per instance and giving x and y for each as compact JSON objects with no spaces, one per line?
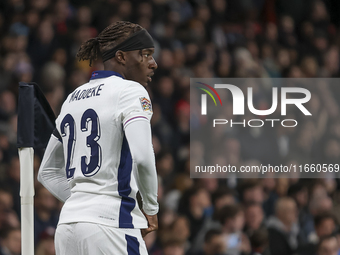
{"x":98,"y":161}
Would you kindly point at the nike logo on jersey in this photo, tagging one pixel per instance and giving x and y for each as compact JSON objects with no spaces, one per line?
{"x":106,"y":217}
{"x":86,"y":93}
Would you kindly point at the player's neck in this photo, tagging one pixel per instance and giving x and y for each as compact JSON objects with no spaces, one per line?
{"x":111,"y":66}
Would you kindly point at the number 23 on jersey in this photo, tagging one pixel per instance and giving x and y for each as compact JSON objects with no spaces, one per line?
{"x":89,"y":120}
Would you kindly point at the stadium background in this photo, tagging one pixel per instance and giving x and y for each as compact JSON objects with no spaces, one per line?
{"x":197,"y":38}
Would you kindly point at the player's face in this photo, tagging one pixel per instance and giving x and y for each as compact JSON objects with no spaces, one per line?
{"x":140,"y":65}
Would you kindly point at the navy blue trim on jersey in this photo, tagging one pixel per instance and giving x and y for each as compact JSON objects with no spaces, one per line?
{"x":124,"y":188}
{"x":132,"y":245}
{"x":104,"y":74}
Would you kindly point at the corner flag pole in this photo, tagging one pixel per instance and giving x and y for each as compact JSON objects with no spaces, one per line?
{"x":26,"y":156}
{"x":35,"y":126}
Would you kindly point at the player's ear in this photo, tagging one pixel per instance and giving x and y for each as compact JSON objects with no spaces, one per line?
{"x":120,"y":57}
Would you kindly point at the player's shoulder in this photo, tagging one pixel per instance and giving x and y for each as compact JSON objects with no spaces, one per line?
{"x":134,"y":94}
{"x":133,"y":87}
{"x":133,"y":84}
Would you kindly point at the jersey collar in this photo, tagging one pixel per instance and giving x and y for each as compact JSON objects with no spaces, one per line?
{"x":104,"y":74}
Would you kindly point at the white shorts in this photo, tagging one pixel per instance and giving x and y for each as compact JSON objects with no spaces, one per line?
{"x":88,"y":238}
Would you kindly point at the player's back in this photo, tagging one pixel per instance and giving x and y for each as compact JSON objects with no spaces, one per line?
{"x":98,"y":161}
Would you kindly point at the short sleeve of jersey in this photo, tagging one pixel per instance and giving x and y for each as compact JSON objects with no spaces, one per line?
{"x":134,"y":104}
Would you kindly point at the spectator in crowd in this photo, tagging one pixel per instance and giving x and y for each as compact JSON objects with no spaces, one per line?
{"x":173,"y":247}
{"x":299,"y":193}
{"x":13,"y":182}
{"x":254,"y":218}
{"x":221,"y":197}
{"x":152,"y":244}
{"x":10,"y":241}
{"x":179,"y":230}
{"x":6,"y":205}
{"x":45,"y":213}
{"x":259,"y":242}
{"x":213,"y":243}
{"x":193,"y":204}
{"x":232,"y":222}
{"x":46,"y":242}
{"x":328,"y":245}
{"x":325,"y":224}
{"x":251,"y":191}
{"x":283,"y":229}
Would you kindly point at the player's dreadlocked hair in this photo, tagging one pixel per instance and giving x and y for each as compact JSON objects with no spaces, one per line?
{"x":106,"y":40}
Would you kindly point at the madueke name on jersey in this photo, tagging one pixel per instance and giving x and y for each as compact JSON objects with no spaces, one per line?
{"x":86,"y":93}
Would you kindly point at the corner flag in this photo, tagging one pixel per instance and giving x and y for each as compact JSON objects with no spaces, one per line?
{"x":35,"y":126}
{"x":35,"y":117}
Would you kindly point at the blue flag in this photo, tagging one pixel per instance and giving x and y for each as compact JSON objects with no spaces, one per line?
{"x":36,"y":120}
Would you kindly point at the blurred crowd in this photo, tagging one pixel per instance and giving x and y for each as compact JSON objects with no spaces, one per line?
{"x":194,"y":38}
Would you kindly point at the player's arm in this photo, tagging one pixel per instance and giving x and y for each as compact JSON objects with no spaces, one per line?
{"x":52,"y":169}
{"x":138,"y":135}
